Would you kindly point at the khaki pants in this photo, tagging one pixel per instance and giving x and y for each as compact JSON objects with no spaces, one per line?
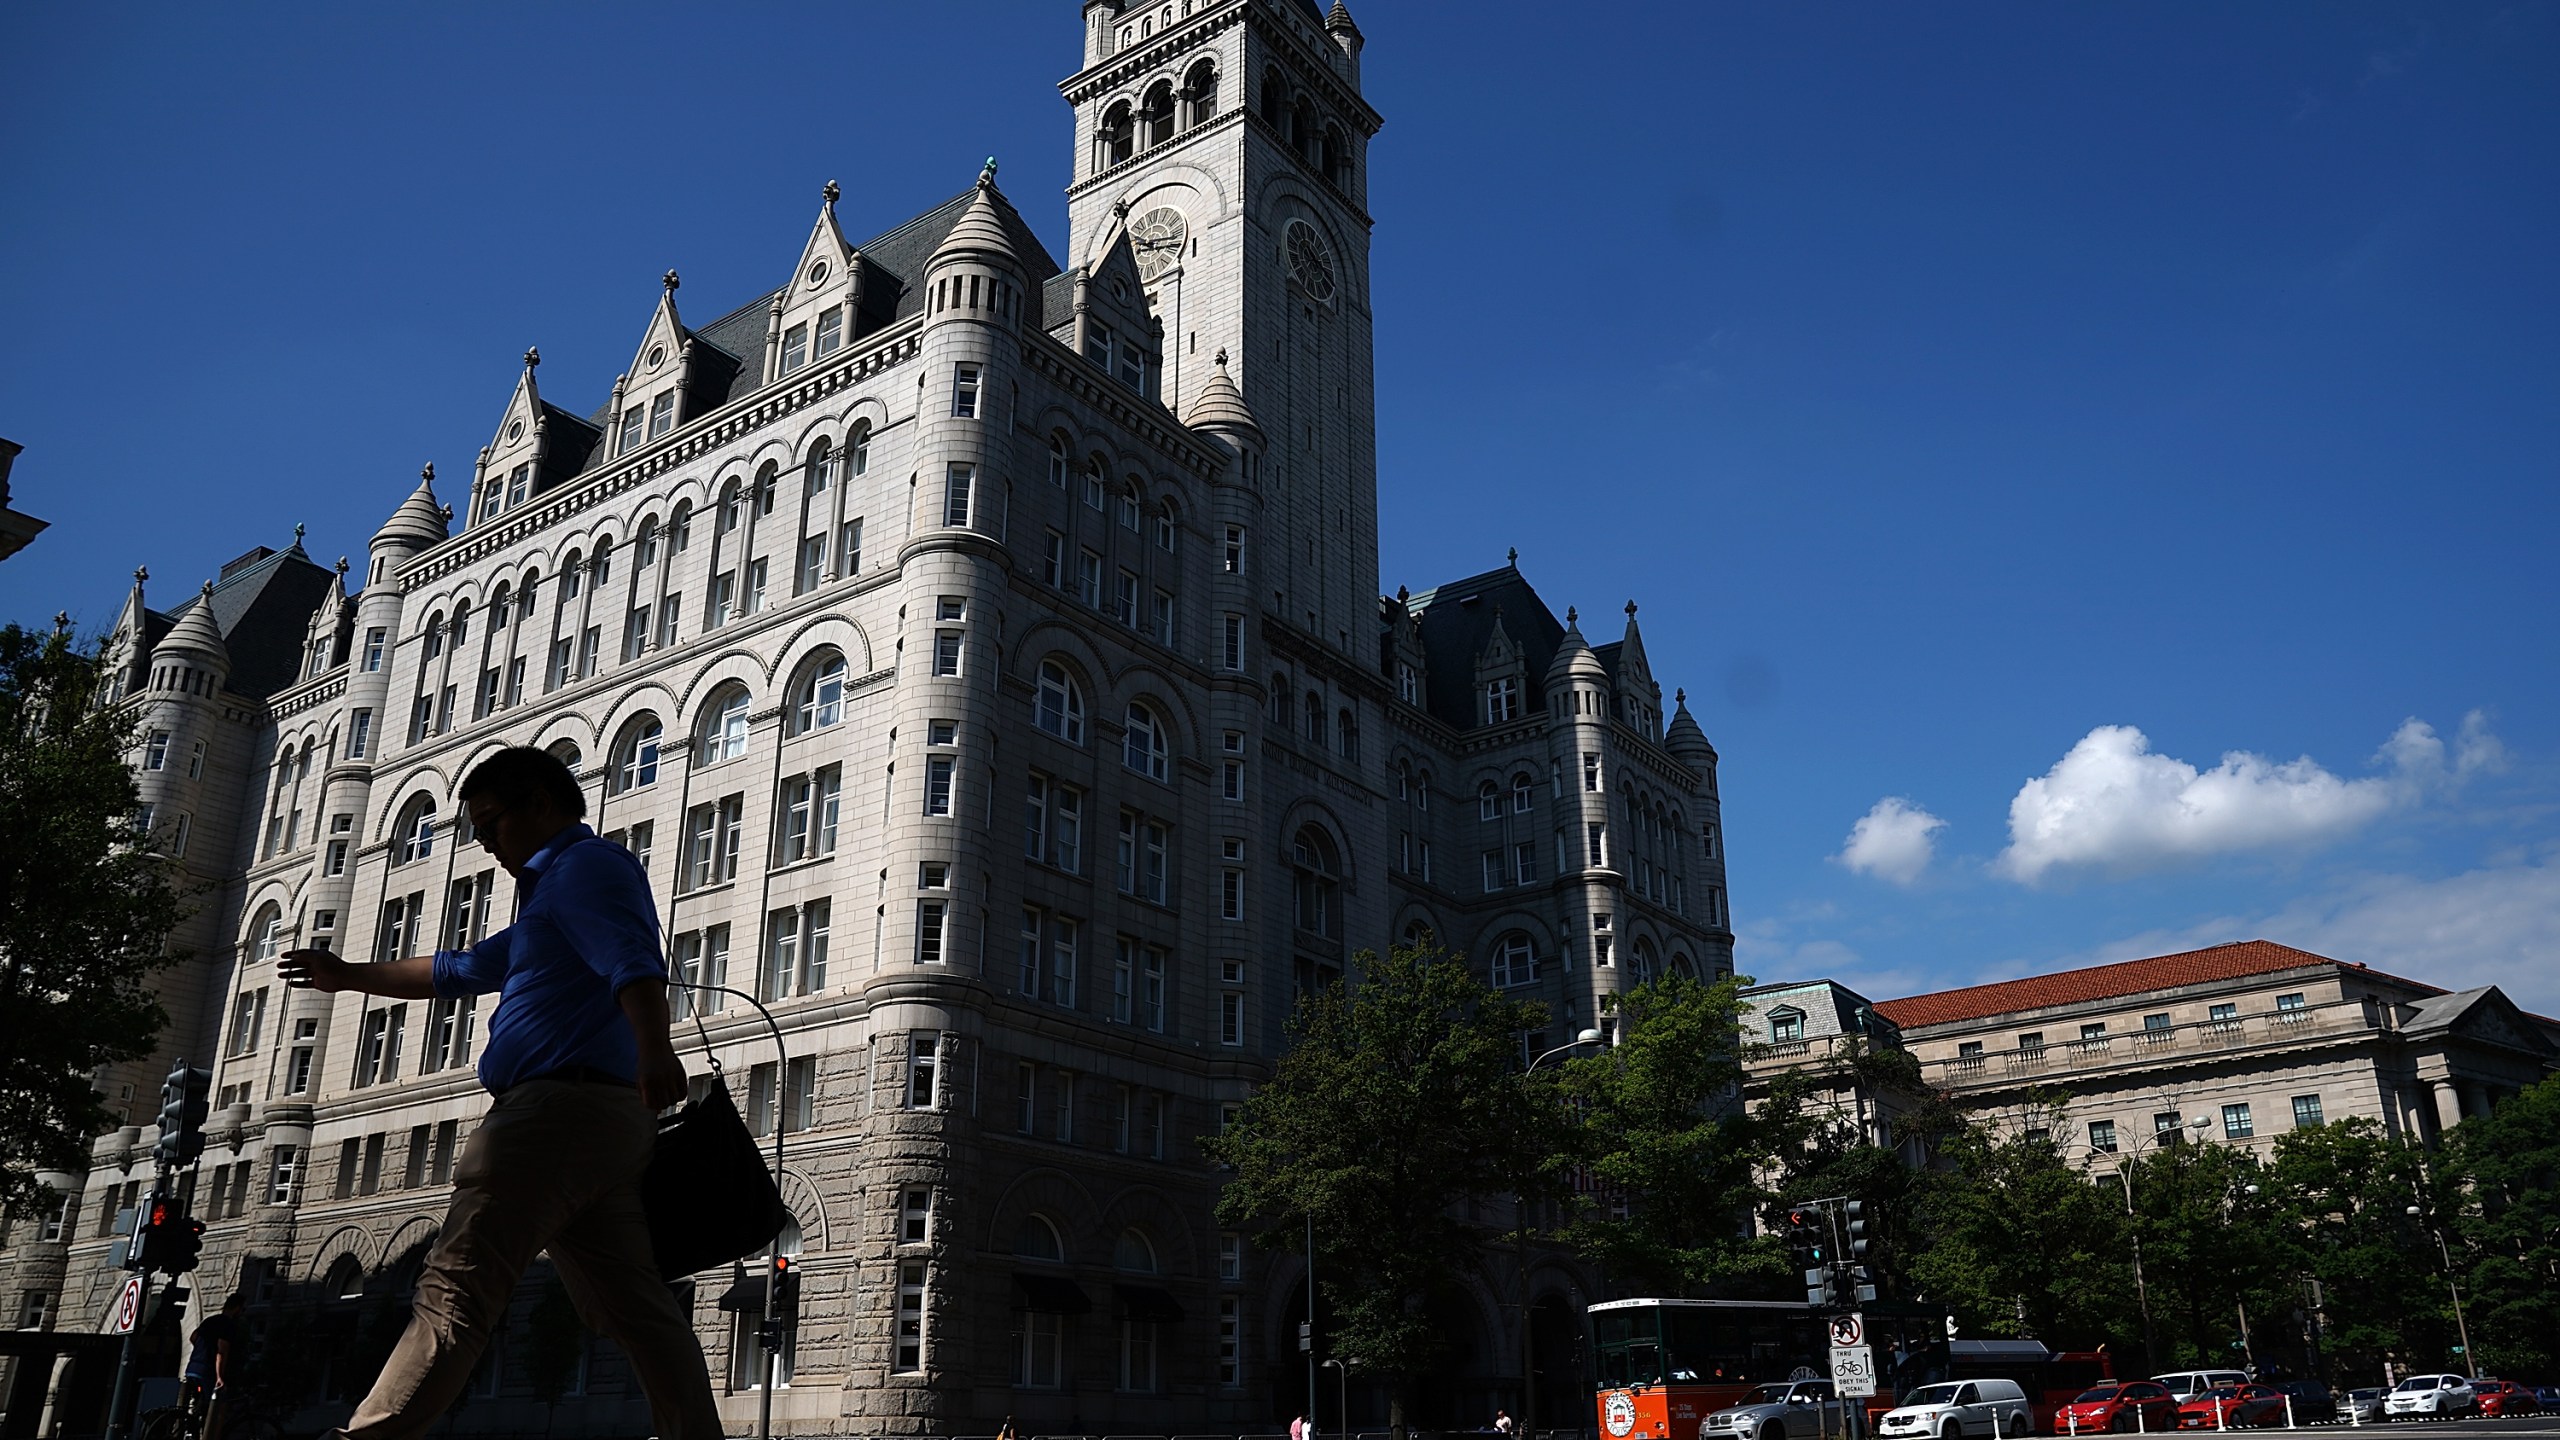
{"x":555,"y":1165}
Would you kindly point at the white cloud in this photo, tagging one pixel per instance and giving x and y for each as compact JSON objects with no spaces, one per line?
{"x":2112,"y":803}
{"x":1894,"y":841}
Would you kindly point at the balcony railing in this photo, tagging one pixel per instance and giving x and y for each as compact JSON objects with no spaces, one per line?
{"x":2152,"y":1046}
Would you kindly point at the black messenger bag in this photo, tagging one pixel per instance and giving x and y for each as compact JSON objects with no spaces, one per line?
{"x":708,"y":1192}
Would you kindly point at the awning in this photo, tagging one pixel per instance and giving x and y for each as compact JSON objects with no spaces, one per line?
{"x":1147,"y":1304}
{"x":1050,"y":1294}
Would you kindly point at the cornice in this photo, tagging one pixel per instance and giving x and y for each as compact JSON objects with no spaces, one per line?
{"x":691,"y":442}
{"x":1095,"y":80}
{"x":1151,"y":422}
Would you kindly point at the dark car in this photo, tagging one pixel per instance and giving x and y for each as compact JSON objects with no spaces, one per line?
{"x":2503,"y":1397}
{"x":2130,"y":1405}
{"x":2313,"y":1403}
{"x":2231,"y":1407}
{"x":2548,"y":1396}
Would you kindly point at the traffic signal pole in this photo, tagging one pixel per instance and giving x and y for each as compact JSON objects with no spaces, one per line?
{"x":120,"y":1409}
{"x":165,"y":1238}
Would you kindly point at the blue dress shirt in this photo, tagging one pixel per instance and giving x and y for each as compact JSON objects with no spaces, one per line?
{"x":585,"y":927}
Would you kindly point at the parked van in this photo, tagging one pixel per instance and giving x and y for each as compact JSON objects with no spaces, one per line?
{"x":1961,"y":1410}
{"x":2186,"y":1385}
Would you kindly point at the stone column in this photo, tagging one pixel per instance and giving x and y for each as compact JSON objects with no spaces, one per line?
{"x":2448,"y":1103}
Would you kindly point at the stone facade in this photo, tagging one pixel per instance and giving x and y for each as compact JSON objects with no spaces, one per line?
{"x":2252,"y":1039}
{"x":987,"y":658}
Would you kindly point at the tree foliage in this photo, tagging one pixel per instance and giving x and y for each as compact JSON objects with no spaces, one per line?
{"x":1677,"y":1162}
{"x":2021,"y":1242}
{"x":2510,"y":1233}
{"x":1399,"y":1101}
{"x":85,"y":907}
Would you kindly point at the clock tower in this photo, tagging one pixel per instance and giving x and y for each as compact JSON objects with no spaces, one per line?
{"x":1226,"y":141}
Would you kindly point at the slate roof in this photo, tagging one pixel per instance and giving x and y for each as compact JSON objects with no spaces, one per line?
{"x":2100,"y":982}
{"x":262,"y":603}
{"x":1455,"y":618}
{"x":893,"y":271}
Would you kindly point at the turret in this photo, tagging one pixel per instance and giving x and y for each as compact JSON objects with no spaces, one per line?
{"x":1685,"y":740}
{"x":1346,"y":38}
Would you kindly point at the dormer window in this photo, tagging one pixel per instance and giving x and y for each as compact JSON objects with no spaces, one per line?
{"x":632,"y":420}
{"x":1133,"y":368}
{"x":1097,"y":346}
{"x":1502,"y":700}
{"x":795,"y":348}
{"x":1786,"y":1027}
{"x":662,"y":414}
{"x":519,"y":484}
{"x":830,"y":331}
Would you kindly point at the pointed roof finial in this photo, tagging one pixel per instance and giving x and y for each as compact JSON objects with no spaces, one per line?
{"x":342,"y":567}
{"x":1515,"y":557}
{"x":671,"y":281}
{"x":298,"y":533}
{"x":141,"y":573}
{"x":987,"y":177}
{"x":208,"y":592}
{"x":427,"y":472}
{"x":532,"y":357}
{"x":829,"y":192}
{"x":1571,"y":616}
{"x":1403,"y":594}
{"x":1222,"y":357}
{"x":447,"y":512}
{"x":1631,"y":609}
{"x":61,"y":622}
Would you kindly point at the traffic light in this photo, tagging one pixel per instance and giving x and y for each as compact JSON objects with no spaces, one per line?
{"x":1860,"y":1245}
{"x":167,"y":1239}
{"x":186,"y":1098}
{"x":786,"y":1289}
{"x":186,"y":1242}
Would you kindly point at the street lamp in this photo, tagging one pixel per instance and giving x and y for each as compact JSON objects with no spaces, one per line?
{"x":1520,"y":1247}
{"x":2470,"y":1365}
{"x":2133,"y":1228}
{"x":1342,"y":1394}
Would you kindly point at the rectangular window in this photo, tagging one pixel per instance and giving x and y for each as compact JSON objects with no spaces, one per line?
{"x":336,"y":863}
{"x":781,"y":953}
{"x":1231,"y":780}
{"x":2306,"y":1111}
{"x":2093,"y":1030}
{"x":800,"y":1094}
{"x":964,"y":396}
{"x":632,"y":420}
{"x":1231,"y":641}
{"x":2102,"y":1136}
{"x":1231,"y":1018}
{"x":1062,"y":1107}
{"x":2031,"y":1043}
{"x":1164,"y":612}
{"x":830,"y":331}
{"x":2165,"y":1125}
{"x":1151,"y":990}
{"x":376,"y":641}
{"x":1230,"y":1342}
{"x":811,"y":571}
{"x":1524,"y":860}
{"x":1231,"y":880}
{"x":946,"y":652}
{"x":911,"y":1283}
{"x":670,"y":616}
{"x":515,"y":683}
{"x":849,"y":548}
{"x":753,"y":602}
{"x":761,"y":1081}
{"x":2236,"y":1124}
{"x":449,"y":1023}
{"x":662,"y":414}
{"x":923,"y":1050}
{"x":724,"y":588}
{"x":1596,"y":850}
{"x":1493,"y":870}
{"x":283,"y":1169}
{"x":1502,"y":700}
{"x":485,"y":698}
{"x":1124,"y":600}
{"x":1124,"y":979}
{"x":937,"y":785}
{"x":2221,"y":1013}
{"x":795,"y":348}
{"x":1066,"y":828}
{"x":1026,"y":1099}
{"x":635,"y":633}
{"x":1027,"y":975}
{"x":915,"y":1215}
{"x":1053,"y":564}
{"x":1062,"y":961}
{"x":955,"y":496}
{"x":1089,"y":578}
{"x":248,"y":1018}
{"x":556,"y":674}
{"x":2158,"y":1022}
{"x":930,"y":915}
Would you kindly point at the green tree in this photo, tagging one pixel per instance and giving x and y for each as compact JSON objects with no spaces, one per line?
{"x":1679,"y":1161}
{"x":2344,"y":1190}
{"x":1399,"y":1100}
{"x":2511,"y":1234}
{"x":2215,"y":1248}
{"x":2016,"y":1240}
{"x":85,"y":907}
{"x":1826,"y":1146}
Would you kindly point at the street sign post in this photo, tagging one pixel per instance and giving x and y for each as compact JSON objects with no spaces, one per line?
{"x":128,"y":1307}
{"x":1853,"y":1371}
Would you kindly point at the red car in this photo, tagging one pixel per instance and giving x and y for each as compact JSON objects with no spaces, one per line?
{"x":2504,"y":1397}
{"x":2232,"y":1407}
{"x":2134,"y":1405}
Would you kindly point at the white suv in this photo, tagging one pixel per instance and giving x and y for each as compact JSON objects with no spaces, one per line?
{"x":1961,"y":1410}
{"x":2429,"y":1395}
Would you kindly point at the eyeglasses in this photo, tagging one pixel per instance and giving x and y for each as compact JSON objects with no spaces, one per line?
{"x":483,"y":826}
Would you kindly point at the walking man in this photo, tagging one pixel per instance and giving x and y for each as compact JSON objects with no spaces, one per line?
{"x":578,"y":1063}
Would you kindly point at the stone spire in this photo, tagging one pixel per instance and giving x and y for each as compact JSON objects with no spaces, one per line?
{"x":197,"y":631}
{"x":420,"y":521}
{"x":1683,"y":737}
{"x":1221,"y":405}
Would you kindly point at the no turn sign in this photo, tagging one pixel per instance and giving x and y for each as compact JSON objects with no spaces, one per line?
{"x":128,"y":1307}
{"x":1847,"y":1330}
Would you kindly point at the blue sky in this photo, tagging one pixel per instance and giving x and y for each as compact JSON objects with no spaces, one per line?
{"x":2004,"y":413}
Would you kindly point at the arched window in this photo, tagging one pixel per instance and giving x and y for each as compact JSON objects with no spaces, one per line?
{"x":733,"y":508}
{"x":1346,"y":731}
{"x":567,"y":753}
{"x":1134,"y":1253}
{"x":500,"y":607}
{"x":1059,"y":708}
{"x":1275,"y":101}
{"x":461,"y":622}
{"x":1302,"y":128}
{"x":1419,"y":935}
{"x":858,"y":450}
{"x":526,"y":592}
{"x":1060,"y":462}
{"x":266,"y":934}
{"x":768,"y":480}
{"x":1488,"y":802}
{"x":1515,"y":961}
{"x":1315,"y":717}
{"x":1682,"y":966}
{"x":1335,"y":157}
{"x":1645,"y":961}
{"x":1168,"y":526}
{"x":1523,"y":793}
{"x":345,"y":1279}
{"x":645,"y":545}
{"x":635,"y":756}
{"x":572,"y":574}
{"x":1316,"y":884}
{"x":821,"y":467}
{"x":724,"y":728}
{"x":1200,"y":88}
{"x":434,"y":635}
{"x":1117,"y":140}
{"x":414,"y":836}
{"x":1156,"y":115}
{"x":1280,"y":693}
{"x":819,"y":701}
{"x":602,"y":565}
{"x":1036,"y":1239}
{"x":1147,"y":749}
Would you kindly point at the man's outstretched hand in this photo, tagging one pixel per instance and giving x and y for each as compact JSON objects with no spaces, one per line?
{"x":315,"y":970}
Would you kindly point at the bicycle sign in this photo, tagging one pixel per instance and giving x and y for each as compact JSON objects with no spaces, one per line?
{"x":128,"y":1307}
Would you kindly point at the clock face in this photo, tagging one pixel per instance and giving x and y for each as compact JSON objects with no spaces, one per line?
{"x":1158,"y":237}
{"x":1310,"y":263}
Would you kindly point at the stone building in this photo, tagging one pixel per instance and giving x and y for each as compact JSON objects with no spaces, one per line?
{"x":1812,"y":1031}
{"x":985,"y":653}
{"x":2253,"y":1039}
